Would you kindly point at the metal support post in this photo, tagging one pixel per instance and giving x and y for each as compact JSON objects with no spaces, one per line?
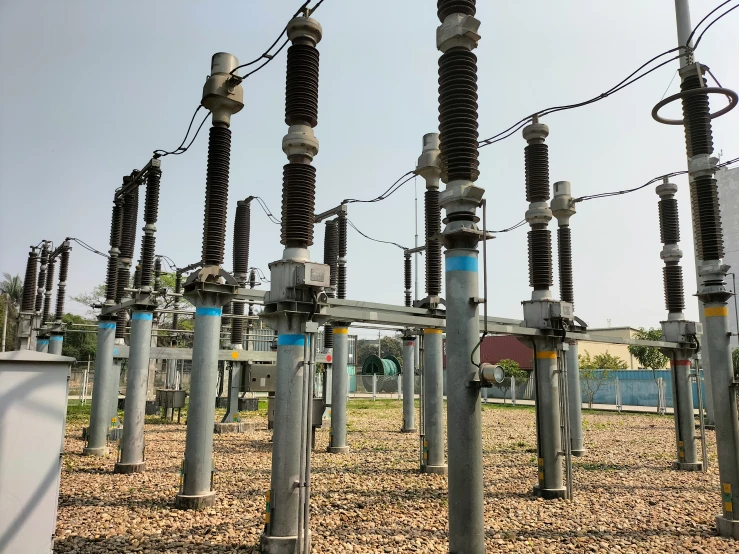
{"x":339,"y":383}
{"x":42,"y":344}
{"x":132,"y":443}
{"x":513,"y":391}
{"x":574,"y":395}
{"x":682,"y":405}
{"x":433,"y":444}
{"x":409,"y":407}
{"x":548,"y":435}
{"x":115,"y":389}
{"x":234,"y":387}
{"x":97,"y":432}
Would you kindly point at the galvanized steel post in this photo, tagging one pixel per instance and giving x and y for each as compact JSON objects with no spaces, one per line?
{"x":433,"y":385}
{"x":409,"y":377}
{"x":55,"y":344}
{"x":132,"y":443}
{"x":339,"y":382}
{"x":575,"y":399}
{"x":97,"y":432}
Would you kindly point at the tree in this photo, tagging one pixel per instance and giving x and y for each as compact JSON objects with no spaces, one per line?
{"x":595,"y":370}
{"x":12,"y":285}
{"x":511,"y":370}
{"x":649,"y":357}
{"x":79,"y":345}
{"x":93,"y":297}
{"x":389,"y":346}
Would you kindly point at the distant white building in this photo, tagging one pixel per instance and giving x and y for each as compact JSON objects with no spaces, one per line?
{"x":728,"y":195}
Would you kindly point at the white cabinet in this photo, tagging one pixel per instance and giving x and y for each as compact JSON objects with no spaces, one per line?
{"x":33,"y":411}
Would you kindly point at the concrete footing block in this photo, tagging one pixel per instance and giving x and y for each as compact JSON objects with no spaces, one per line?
{"x":437,"y":470}
{"x":137,"y":467}
{"x":195,"y":501}
{"x":233,"y":427}
{"x":338,"y":449}
{"x":412,"y":430}
{"x":685,"y":466}
{"x":100,"y":451}
{"x":550,"y":494}
{"x":727,"y":527}
{"x":280,"y":545}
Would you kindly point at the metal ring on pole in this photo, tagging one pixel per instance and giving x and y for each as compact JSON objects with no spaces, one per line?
{"x":730,"y":94}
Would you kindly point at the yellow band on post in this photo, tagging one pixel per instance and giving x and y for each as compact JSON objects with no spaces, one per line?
{"x":341,"y":330}
{"x":432,"y":331}
{"x":546,"y":355}
{"x":721,"y":311}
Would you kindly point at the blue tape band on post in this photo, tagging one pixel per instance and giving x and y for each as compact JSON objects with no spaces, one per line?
{"x":56,"y":338}
{"x":208,"y":311}
{"x":106,"y":325}
{"x":43,"y":341}
{"x":290,"y":340}
{"x":145,"y":316}
{"x":461,"y":263}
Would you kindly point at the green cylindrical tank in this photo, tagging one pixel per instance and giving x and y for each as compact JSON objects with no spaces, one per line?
{"x":373,"y":365}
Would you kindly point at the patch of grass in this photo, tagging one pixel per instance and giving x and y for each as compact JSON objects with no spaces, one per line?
{"x":77,"y":413}
{"x":368,"y":404}
{"x":496,"y":406}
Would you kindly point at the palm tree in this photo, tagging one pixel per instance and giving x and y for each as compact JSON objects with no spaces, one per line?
{"x":13,"y":287}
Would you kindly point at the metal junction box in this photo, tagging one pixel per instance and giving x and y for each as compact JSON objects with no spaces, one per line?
{"x":171,"y":398}
{"x":313,"y":275}
{"x":541,"y":314}
{"x":259,"y":377}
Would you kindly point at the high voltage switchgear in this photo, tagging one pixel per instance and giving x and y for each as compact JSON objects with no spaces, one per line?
{"x":456,"y":37}
{"x":210,"y":288}
{"x":330,"y":258}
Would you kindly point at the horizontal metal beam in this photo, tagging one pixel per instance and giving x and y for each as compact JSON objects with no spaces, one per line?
{"x":417,"y":249}
{"x":341,"y":208}
{"x":249,"y":356}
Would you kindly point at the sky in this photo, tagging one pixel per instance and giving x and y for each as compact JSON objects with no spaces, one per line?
{"x":91,"y":88}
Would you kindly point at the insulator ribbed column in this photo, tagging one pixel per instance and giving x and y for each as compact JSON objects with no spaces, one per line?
{"x":341,"y":262}
{"x":242,"y":229}
{"x":48,"y":292}
{"x":157,"y":273}
{"x":433,"y":246}
{"x":29,"y":283}
{"x":564,"y":254}
{"x":111,"y":281}
{"x":407,"y":277}
{"x":125,"y":260}
{"x":330,"y":258}
{"x":536,"y":156}
{"x":669,"y":230}
{"x":137,"y":276}
{"x":62,"y":287}
{"x":151,"y":210}
{"x":216,"y":194}
{"x":42,"y":278}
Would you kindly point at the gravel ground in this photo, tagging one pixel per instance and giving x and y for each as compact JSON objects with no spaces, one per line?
{"x":627,"y":499}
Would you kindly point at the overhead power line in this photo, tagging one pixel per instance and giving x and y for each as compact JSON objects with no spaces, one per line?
{"x":86,"y":246}
{"x":393,"y":188}
{"x":349,"y":221}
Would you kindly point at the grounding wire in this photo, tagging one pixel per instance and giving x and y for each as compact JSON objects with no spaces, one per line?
{"x":349,"y":221}
{"x":262,"y":276}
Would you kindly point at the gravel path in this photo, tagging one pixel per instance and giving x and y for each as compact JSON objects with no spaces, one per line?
{"x":627,"y":499}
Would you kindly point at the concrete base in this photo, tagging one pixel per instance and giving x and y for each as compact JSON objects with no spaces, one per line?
{"x":280,"y":545}
{"x":685,"y":466}
{"x":233,"y":427}
{"x":338,"y":449}
{"x":727,"y":527}
{"x":102,"y":451}
{"x":549,"y":494}
{"x":578,"y":453}
{"x":414,"y":430}
{"x":138,"y":467}
{"x":195,"y":502}
{"x":438,"y":470}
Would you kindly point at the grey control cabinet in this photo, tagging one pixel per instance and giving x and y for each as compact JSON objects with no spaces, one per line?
{"x":33,"y":411}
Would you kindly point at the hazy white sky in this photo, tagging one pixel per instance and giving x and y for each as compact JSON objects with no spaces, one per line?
{"x":90,"y":88}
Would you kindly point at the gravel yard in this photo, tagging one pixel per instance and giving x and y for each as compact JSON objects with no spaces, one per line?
{"x":627,"y":499}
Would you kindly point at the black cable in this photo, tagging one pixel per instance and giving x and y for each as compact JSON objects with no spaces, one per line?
{"x":511,"y":228}
{"x":88,"y":247}
{"x":267,"y":56}
{"x":267,"y":211}
{"x":700,"y":37}
{"x":349,"y":221}
{"x":709,"y":14}
{"x":262,"y":276}
{"x":393,"y":188}
{"x":169,"y":261}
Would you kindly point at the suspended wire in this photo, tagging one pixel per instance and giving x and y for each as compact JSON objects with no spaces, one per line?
{"x":86,"y":246}
{"x":700,"y":37}
{"x":267,"y":55}
{"x":349,"y":221}
{"x":180,"y":149}
{"x":267,"y":211}
{"x":393,"y":188}
{"x":169,"y":261}
{"x":260,"y":274}
{"x":709,"y":14}
{"x":511,"y":228}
